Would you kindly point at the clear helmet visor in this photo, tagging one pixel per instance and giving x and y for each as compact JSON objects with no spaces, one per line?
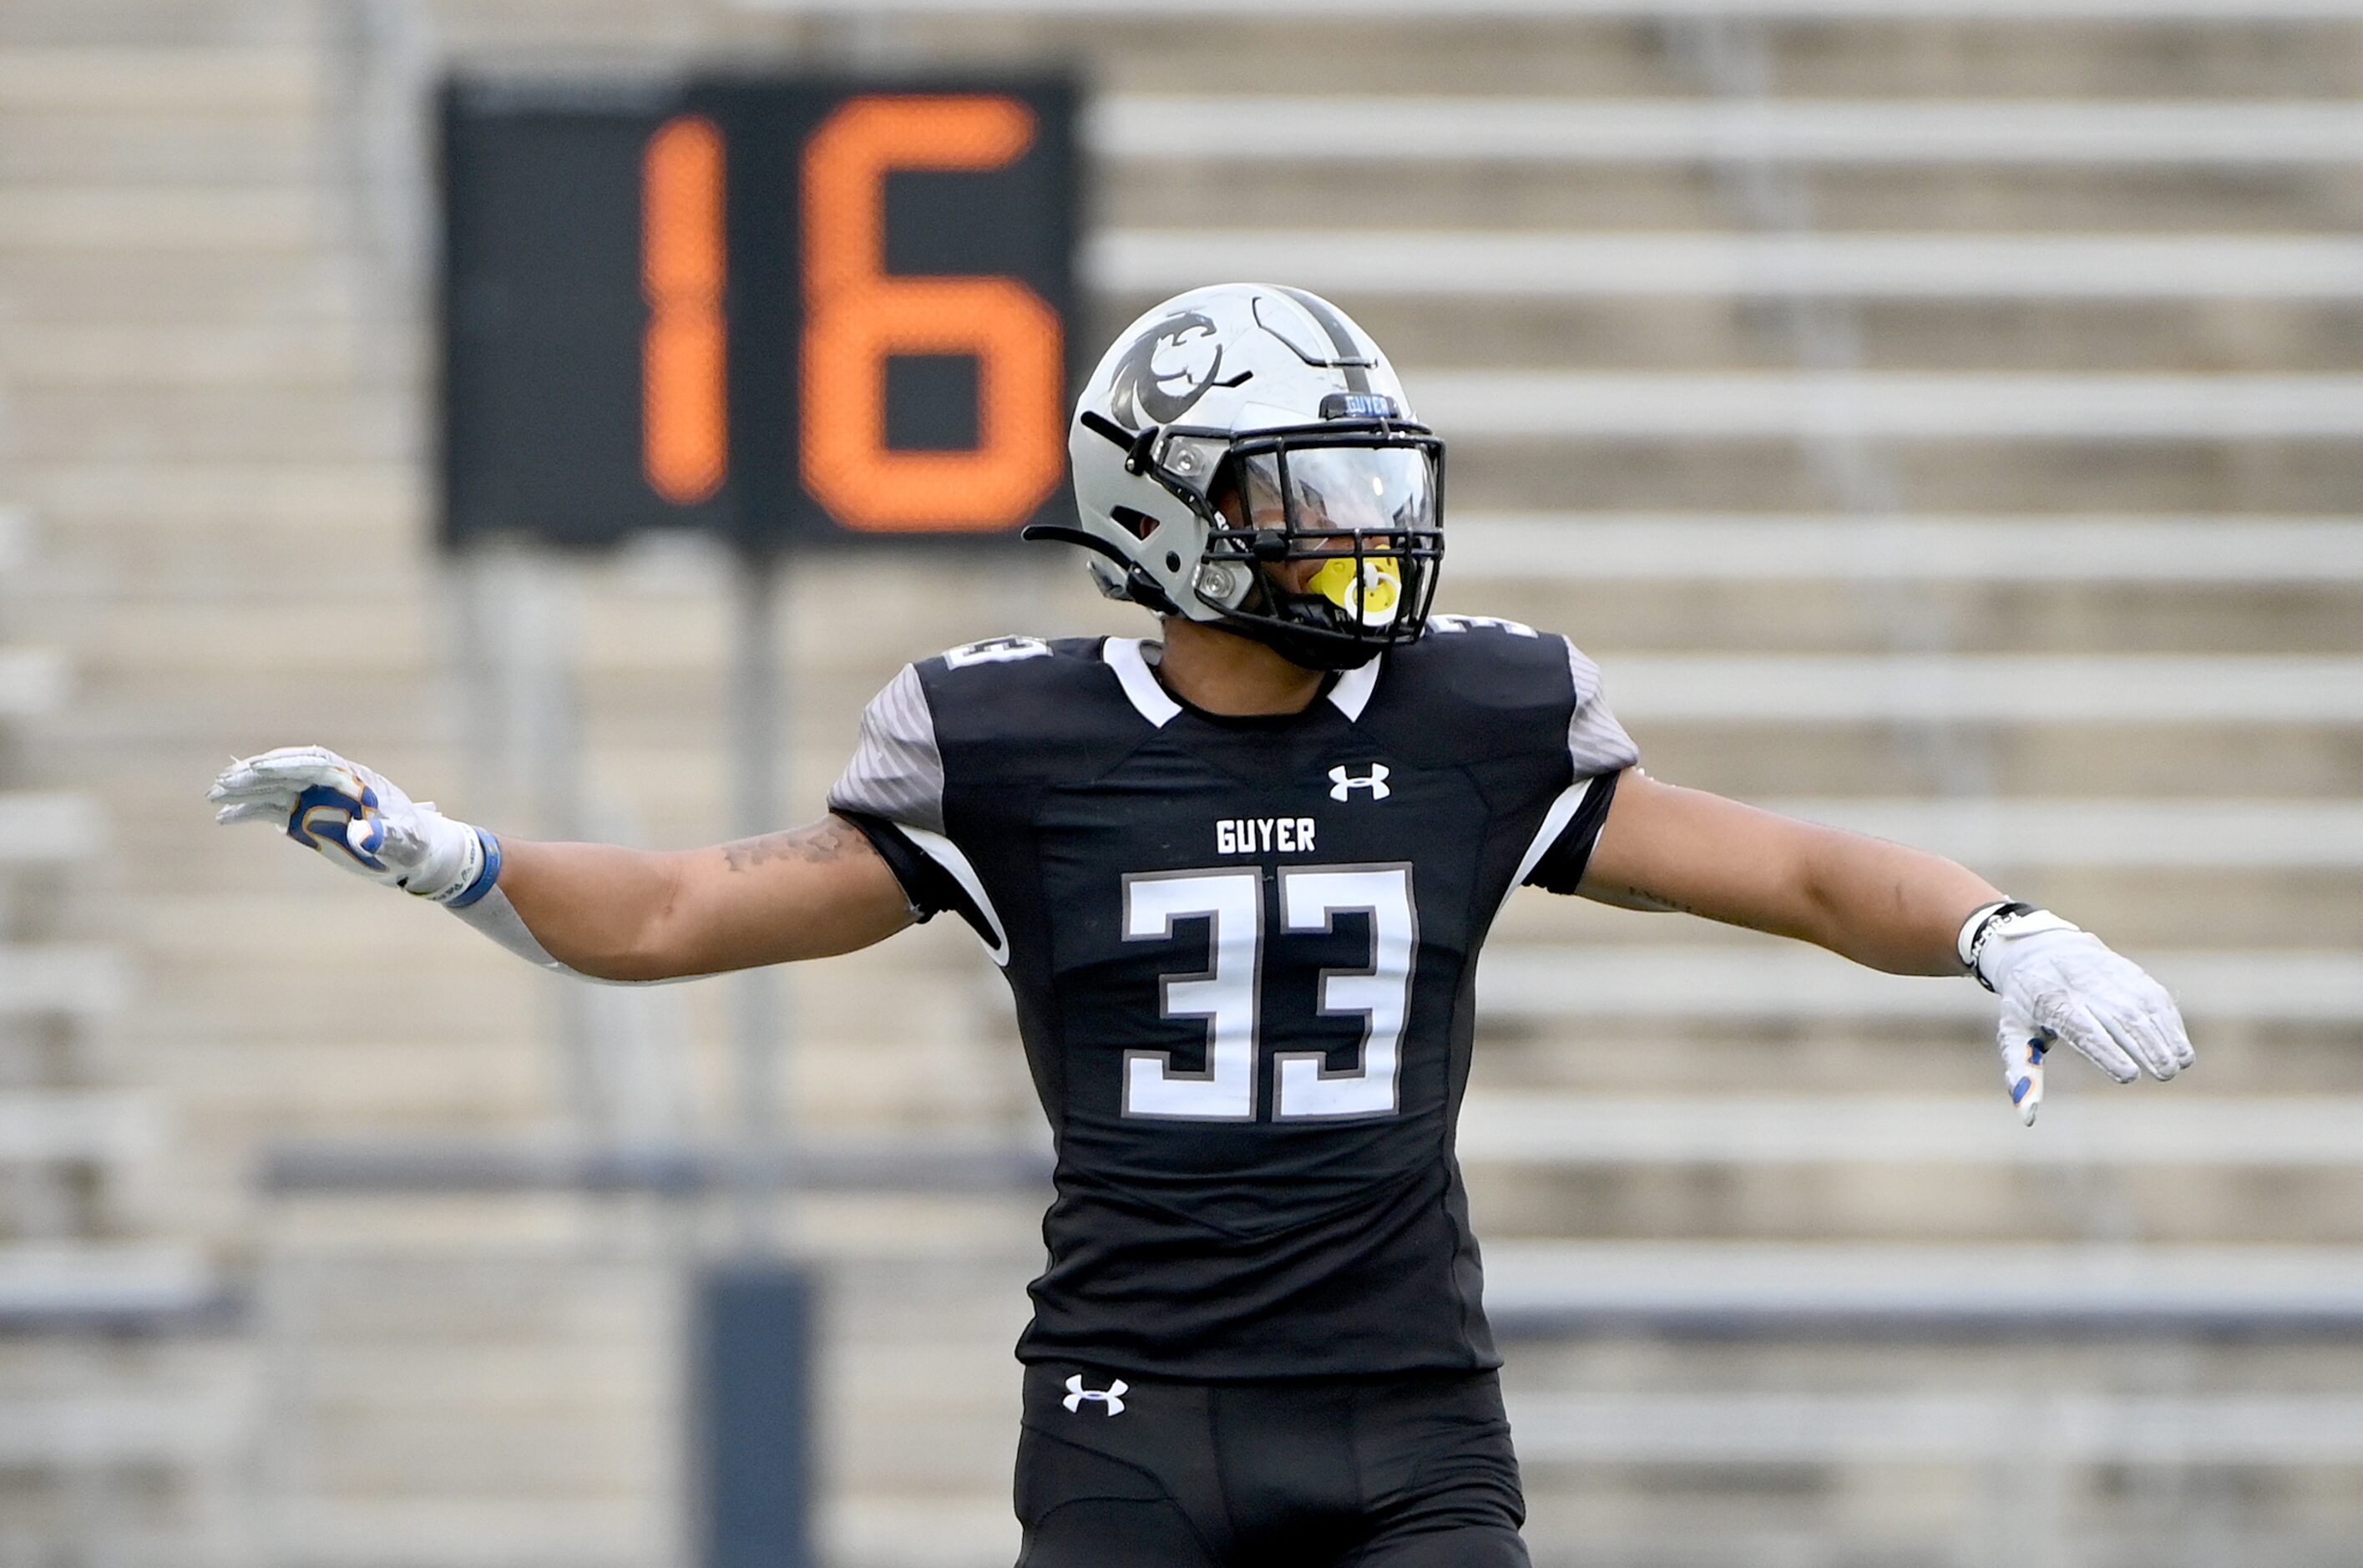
{"x":1356,"y":506}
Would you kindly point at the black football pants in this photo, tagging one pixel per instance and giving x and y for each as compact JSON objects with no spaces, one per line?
{"x":1409,"y":1471}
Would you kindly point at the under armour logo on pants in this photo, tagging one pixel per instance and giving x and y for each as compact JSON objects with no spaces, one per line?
{"x":1112,"y":1395}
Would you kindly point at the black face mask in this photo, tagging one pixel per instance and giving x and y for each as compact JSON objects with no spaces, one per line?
{"x":1364,"y":496}
{"x":1361,"y":498}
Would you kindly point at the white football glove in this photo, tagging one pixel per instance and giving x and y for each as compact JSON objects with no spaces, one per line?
{"x":2057,"y":982}
{"x":353,"y":816}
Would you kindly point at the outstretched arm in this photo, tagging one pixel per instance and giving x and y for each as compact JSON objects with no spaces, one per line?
{"x":599,"y":911}
{"x":612,"y":914}
{"x":1879,"y":904}
{"x":1894,"y":909}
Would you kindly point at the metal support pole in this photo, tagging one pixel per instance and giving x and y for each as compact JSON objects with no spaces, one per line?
{"x":759,"y":739}
{"x":751,"y":1391}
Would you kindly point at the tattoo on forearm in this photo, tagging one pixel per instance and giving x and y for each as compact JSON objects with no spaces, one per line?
{"x":1632,"y":897}
{"x":825,"y":840}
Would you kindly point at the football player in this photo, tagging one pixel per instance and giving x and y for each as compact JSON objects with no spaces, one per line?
{"x":1238,"y":879}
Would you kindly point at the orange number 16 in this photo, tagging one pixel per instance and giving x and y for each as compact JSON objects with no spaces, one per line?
{"x":684,"y":419}
{"x":858,"y":316}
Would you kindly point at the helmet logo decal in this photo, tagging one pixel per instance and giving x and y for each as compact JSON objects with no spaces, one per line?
{"x":1166,"y":371}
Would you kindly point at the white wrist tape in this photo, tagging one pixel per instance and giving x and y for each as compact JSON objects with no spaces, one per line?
{"x":492,"y":914}
{"x":479,"y":901}
{"x":476,"y":897}
{"x":479,"y":864}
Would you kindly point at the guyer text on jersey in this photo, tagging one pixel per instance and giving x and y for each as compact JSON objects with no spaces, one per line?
{"x":1262,"y":835}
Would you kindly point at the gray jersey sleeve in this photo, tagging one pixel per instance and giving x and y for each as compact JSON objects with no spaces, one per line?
{"x":1600,"y":750}
{"x":897,"y":772}
{"x":1596,"y":742}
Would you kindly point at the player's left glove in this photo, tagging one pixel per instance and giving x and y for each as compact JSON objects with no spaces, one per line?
{"x":2057,"y":982}
{"x":355,"y":817}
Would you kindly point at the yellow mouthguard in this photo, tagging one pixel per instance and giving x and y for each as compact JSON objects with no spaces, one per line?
{"x":1372,"y":596}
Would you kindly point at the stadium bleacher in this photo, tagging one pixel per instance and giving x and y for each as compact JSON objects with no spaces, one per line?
{"x":1942,"y":421}
{"x":104,"y":1434}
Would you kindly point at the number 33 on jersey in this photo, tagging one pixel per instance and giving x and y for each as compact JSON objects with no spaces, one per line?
{"x":1243,"y":953}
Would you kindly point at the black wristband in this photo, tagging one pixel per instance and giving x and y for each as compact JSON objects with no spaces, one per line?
{"x":1979,"y":927}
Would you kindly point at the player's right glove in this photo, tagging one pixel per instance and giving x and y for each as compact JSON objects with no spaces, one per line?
{"x":357,"y":818}
{"x":2057,"y":982}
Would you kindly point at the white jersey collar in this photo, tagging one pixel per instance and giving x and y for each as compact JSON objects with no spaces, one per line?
{"x":1352,"y":690}
{"x":1153,"y":702}
{"x":1351,"y":693}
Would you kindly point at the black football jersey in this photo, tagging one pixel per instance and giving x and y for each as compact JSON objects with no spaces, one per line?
{"x":1243,"y":953}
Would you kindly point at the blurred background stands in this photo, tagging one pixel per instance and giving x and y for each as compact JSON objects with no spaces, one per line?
{"x":1939,"y":417}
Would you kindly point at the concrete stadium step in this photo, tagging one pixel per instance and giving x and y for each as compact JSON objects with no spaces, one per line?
{"x":276,"y":1078}
{"x":146,"y":360}
{"x":530,"y":1295}
{"x":1582,"y":547}
{"x":134,"y":83}
{"x":478,"y":1533}
{"x":1766,"y":983}
{"x":1776,"y":759}
{"x":2161,"y":689}
{"x":18,"y":538}
{"x":1504,"y":405}
{"x":2033,"y":477}
{"x":385,"y":630}
{"x":92,"y":1284}
{"x":1613,"y":618}
{"x":207,"y":497}
{"x":41,"y":149}
{"x":1931,"y":1202}
{"x":240,"y":219}
{"x":137,"y":25}
{"x":1970,"y":198}
{"x":92,"y":424}
{"x":85,"y":1431}
{"x":50,"y":828}
{"x":1698,"y":335}
{"x":219,"y":1010}
{"x":63,"y":979}
{"x":115,"y":288}
{"x":535,"y":1381}
{"x":895,"y":1528}
{"x":2108,"y":49}
{"x":2161,"y":14}
{"x":34,"y":681}
{"x":1529,"y":267}
{"x":1397,"y":130}
{"x":1961,"y":1428}
{"x":1771,"y":1285}
{"x":78,"y":1127}
{"x":2215,"y":833}
{"x":1583,"y":1131}
{"x":585,"y":1451}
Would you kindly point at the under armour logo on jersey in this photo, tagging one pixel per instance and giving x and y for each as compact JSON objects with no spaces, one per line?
{"x":995,"y":650}
{"x":1112,"y":1395}
{"x":1470,"y":623}
{"x":1342,"y":784}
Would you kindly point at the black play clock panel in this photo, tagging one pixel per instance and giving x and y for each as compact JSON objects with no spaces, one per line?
{"x":782,"y":309}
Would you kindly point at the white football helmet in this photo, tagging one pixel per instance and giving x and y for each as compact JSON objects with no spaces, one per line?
{"x":1271,"y":399}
